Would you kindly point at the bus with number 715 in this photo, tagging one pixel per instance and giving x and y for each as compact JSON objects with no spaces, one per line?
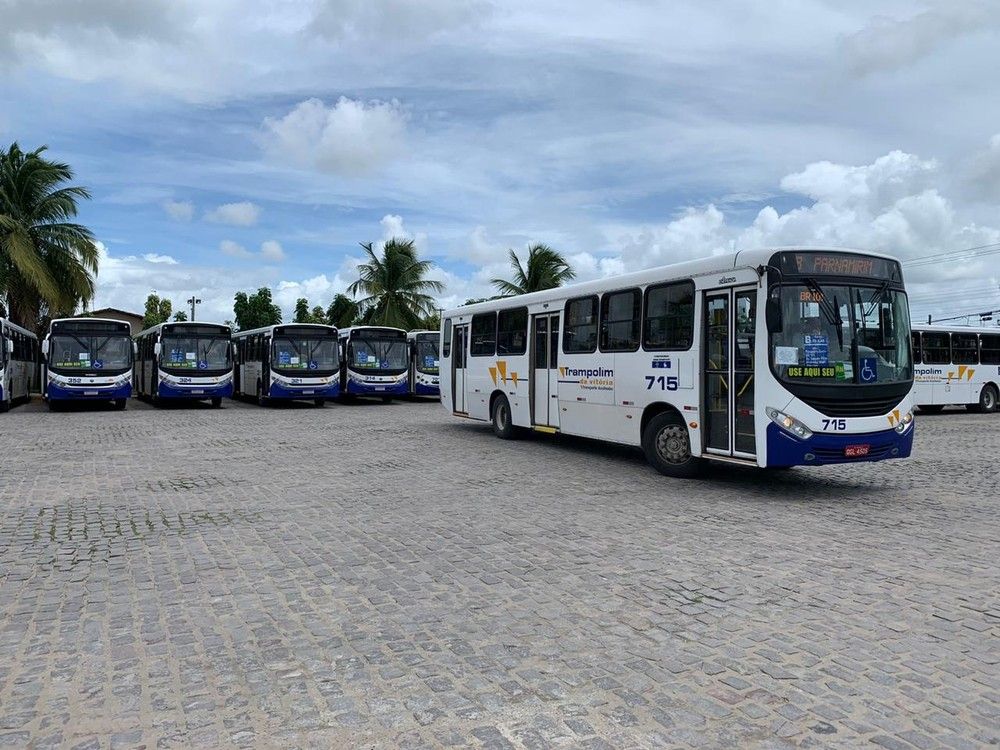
{"x":773,"y":358}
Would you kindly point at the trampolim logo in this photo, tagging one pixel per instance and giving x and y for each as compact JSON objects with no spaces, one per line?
{"x":501,"y":370}
{"x":595,"y":378}
{"x":963,"y":372}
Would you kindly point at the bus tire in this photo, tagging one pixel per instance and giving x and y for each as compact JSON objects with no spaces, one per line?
{"x":217,"y":402}
{"x":320,"y":402}
{"x":121,"y":403}
{"x":261,"y":398}
{"x":387,"y":399}
{"x":500,"y":416}
{"x":667,"y":445}
{"x":4,"y":406}
{"x":54,"y":405}
{"x":987,"y":400}
{"x":931,"y":408}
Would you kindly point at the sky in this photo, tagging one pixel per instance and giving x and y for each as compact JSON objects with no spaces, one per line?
{"x":233,"y":144}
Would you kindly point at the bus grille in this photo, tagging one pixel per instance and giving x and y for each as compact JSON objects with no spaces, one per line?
{"x":854,"y":407}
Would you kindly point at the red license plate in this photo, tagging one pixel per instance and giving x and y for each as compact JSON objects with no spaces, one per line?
{"x":856,"y":451}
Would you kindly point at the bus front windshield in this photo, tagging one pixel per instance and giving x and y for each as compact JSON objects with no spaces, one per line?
{"x":304,"y":354}
{"x":372,"y":353}
{"x":109,"y":352}
{"x":195,"y":353}
{"x":842,"y":334}
{"x":427,"y":355}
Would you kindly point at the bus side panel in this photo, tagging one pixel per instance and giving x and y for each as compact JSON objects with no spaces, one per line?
{"x":644,"y":378}
{"x":923,"y":392}
{"x":586,"y":393}
{"x":479,"y":386}
{"x":512,"y":376}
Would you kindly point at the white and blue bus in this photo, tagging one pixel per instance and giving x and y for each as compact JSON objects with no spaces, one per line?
{"x":424,"y":363}
{"x":18,"y":364}
{"x":956,"y":365}
{"x":290,"y":361}
{"x":87,"y":359}
{"x":184,"y":361}
{"x":376,"y":360}
{"x":772,"y":358}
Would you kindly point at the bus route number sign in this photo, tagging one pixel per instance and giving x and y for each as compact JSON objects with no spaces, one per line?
{"x":663,"y":382}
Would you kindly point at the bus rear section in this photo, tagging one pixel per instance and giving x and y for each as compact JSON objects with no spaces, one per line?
{"x":189,"y":361}
{"x":767,"y":358}
{"x":87,"y":359}
{"x":955,"y":366}
{"x":18,"y":364}
{"x":297,"y":361}
{"x":376,"y":361}
{"x":424,"y":363}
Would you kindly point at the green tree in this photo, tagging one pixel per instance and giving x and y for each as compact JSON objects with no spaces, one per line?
{"x":431,"y":322}
{"x":302,"y":311}
{"x":545,"y":269}
{"x":180,"y":316}
{"x":47,"y":262}
{"x":342,"y":312}
{"x":396,"y":292}
{"x":157,"y":311}
{"x":255,"y":310}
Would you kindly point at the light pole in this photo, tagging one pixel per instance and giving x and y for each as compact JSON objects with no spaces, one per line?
{"x":193,"y":301}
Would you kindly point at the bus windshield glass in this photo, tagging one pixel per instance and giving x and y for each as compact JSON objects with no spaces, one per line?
{"x":836,"y":334}
{"x":305,"y":353}
{"x":82,"y":351}
{"x":194,"y":352}
{"x":427,"y":355}
{"x":373,"y":353}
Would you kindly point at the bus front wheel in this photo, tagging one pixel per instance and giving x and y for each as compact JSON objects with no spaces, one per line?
{"x":667,"y":446}
{"x":120,"y":404}
{"x":4,"y":406}
{"x":217,"y":402}
{"x":320,"y":402}
{"x":503,"y":425}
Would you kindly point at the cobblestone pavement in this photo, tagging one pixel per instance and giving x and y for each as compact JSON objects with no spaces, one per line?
{"x":387,"y":576}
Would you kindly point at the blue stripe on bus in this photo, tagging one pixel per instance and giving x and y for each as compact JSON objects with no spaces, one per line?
{"x":277,"y":390}
{"x":58,"y":392}
{"x":784,"y":449}
{"x":171,"y":391}
{"x":388,"y":389}
{"x":420,"y":389}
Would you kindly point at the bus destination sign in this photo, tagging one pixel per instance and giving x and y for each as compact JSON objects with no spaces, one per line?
{"x":839,"y":264}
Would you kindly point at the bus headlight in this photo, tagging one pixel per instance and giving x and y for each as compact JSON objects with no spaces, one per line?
{"x":789,"y":424}
{"x":123,"y":379}
{"x":904,"y":422}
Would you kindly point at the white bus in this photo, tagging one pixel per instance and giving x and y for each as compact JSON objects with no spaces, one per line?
{"x":184,"y":361}
{"x":18,"y":363}
{"x":424,"y":363}
{"x":289,"y":361}
{"x":376,"y":361}
{"x":956,"y":366}
{"x":87,"y":359}
{"x":774,"y":358}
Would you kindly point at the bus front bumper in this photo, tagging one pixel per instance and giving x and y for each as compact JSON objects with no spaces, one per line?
{"x":399,"y":388}
{"x":422,"y":389}
{"x":278,"y":390}
{"x":784,"y":449}
{"x":54,"y":391}
{"x":193,"y":391}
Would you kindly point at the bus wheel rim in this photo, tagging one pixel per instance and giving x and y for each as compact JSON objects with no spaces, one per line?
{"x":672,"y":444}
{"x":501,"y":416}
{"x":989,"y":399}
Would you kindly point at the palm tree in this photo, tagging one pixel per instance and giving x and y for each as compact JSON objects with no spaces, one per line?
{"x":47,"y":263}
{"x":396,"y":292}
{"x":546,"y":269}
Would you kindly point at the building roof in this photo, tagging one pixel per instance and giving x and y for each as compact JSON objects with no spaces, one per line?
{"x":111,"y":310}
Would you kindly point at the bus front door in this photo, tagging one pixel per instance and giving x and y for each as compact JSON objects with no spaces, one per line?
{"x":545,"y":370}
{"x":729,"y":340}
{"x":460,"y":348}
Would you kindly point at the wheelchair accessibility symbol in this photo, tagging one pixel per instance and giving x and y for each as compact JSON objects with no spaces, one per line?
{"x":869,"y":370}
{"x":313,"y":365}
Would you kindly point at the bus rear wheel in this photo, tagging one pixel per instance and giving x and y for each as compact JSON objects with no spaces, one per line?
{"x":503,"y":425}
{"x":261,"y":398}
{"x":667,"y":446}
{"x":987,"y":401}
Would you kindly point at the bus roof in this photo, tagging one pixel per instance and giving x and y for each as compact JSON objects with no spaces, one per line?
{"x":172,"y":323}
{"x":270,"y":329}
{"x":354,"y":329}
{"x":422,"y":332}
{"x":676,"y":271}
{"x":88,"y":320}
{"x":5,"y":323}
{"x":937,"y":328}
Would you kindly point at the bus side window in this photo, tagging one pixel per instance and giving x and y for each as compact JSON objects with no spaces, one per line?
{"x":446,"y":348}
{"x":580,"y":326}
{"x":965,"y":348}
{"x":936,"y":348}
{"x":512,"y":331}
{"x":668,"y":320}
{"x":990,"y":353}
{"x":484,"y":335}
{"x":915,"y":336}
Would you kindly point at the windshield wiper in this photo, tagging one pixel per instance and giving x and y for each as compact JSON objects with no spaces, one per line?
{"x":829,"y":313}
{"x":876,"y":297}
{"x":839,"y":323}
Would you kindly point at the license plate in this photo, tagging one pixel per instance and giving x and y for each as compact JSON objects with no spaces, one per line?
{"x":856,"y":451}
{"x":198,"y":391}
{"x":90,"y":393}
{"x":380,"y":388}
{"x":308,"y":393}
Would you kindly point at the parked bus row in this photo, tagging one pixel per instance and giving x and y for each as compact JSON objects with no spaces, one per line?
{"x":97,"y":360}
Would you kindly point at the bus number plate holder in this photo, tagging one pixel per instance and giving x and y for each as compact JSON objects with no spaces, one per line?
{"x":90,"y":393}
{"x":856,"y":451}
{"x":308,"y":393}
{"x":198,"y":391}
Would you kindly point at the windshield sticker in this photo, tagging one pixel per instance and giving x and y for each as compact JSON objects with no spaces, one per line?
{"x":202,"y":364}
{"x":845,"y":371}
{"x":869,"y":370}
{"x":98,"y":364}
{"x":661,"y":362}
{"x":190,"y":356}
{"x":812,"y":372}
{"x":817,"y":349}
{"x":84,"y":356}
{"x":313,"y":365}
{"x":284,"y":358}
{"x":786,"y":355}
{"x":295,"y":361}
{"x":429,"y":361}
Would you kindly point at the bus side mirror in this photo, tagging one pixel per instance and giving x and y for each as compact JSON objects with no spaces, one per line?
{"x":45,"y":347}
{"x":772,"y":316}
{"x":156,"y":349}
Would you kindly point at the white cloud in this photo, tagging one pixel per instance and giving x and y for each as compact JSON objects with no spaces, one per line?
{"x":157,"y":258}
{"x":270,"y":250}
{"x":179,"y":210}
{"x":350,"y":138}
{"x":242,"y":214}
{"x":398,"y":20}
